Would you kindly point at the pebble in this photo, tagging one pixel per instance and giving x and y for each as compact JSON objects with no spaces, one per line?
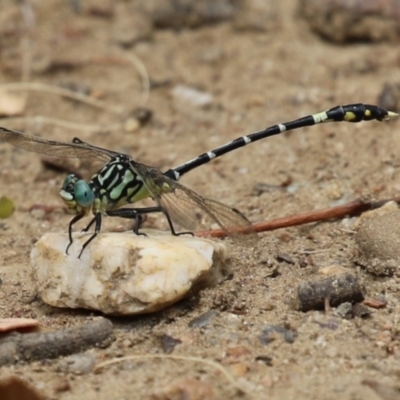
{"x":336,"y":289}
{"x":189,"y":13}
{"x":360,"y":310}
{"x":78,"y":364}
{"x":270,"y":333}
{"x":203,"y":320}
{"x":134,"y":24}
{"x":257,"y":15}
{"x":345,"y":310}
{"x":378,"y":243}
{"x":267,"y":360}
{"x":239,"y":369}
{"x":197,"y":98}
{"x":124,"y":274}
{"x":389,"y":98}
{"x":387,"y":208}
{"x":238,"y":351}
{"x":345,"y":21}
{"x":168,"y":343}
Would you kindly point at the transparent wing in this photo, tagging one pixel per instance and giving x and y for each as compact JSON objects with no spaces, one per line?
{"x":186,"y":207}
{"x":76,"y":149}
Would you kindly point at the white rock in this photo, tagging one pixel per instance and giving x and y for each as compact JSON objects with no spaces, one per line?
{"x":192,"y":96}
{"x":124,"y":274}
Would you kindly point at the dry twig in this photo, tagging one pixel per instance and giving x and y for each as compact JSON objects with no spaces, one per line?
{"x":351,"y":209}
{"x":38,"y":346}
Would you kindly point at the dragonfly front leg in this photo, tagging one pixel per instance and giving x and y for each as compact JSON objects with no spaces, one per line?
{"x":73,"y":221}
{"x":89,"y":225}
{"x":97,"y":221}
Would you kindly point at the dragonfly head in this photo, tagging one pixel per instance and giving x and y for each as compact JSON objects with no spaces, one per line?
{"x":77,"y":195}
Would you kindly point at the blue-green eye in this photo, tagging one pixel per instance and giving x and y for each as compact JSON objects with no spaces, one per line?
{"x":84,"y":195}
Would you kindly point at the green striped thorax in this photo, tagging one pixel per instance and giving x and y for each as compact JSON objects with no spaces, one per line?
{"x":114,"y":185}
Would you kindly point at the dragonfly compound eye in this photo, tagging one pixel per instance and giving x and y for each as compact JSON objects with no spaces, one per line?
{"x":67,"y":191}
{"x":84,"y":195}
{"x":69,"y":183}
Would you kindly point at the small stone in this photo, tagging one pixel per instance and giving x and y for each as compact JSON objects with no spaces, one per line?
{"x":374,"y":302}
{"x":331,"y":324}
{"x":195,"y":97}
{"x":239,"y":369}
{"x":347,"y":21}
{"x":168,"y":343}
{"x":282,"y":257}
{"x":267,"y":360}
{"x":203,"y":320}
{"x":78,"y":364}
{"x":335,"y":289}
{"x":360,"y":310}
{"x":133,"y":24}
{"x":387,"y":208}
{"x":257,"y":15}
{"x":122,"y":273}
{"x":377,"y":242}
{"x":272,"y":332}
{"x":238,"y":351}
{"x":131,"y":125}
{"x":389,"y":98}
{"x":189,"y":13}
{"x":345,"y":310}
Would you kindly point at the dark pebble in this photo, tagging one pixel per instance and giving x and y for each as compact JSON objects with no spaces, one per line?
{"x":336,"y":289}
{"x":203,"y":320}
{"x":267,"y":360}
{"x":168,"y":343}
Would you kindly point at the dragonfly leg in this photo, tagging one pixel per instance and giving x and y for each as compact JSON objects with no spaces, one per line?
{"x":89,"y":225}
{"x":97,"y":220}
{"x":136,"y":214}
{"x":171,"y":226}
{"x":73,"y":221}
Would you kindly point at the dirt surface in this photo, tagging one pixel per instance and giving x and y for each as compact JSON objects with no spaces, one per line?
{"x":256,"y":79}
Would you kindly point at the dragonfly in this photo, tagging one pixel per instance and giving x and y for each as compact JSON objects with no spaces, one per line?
{"x":123,"y":181}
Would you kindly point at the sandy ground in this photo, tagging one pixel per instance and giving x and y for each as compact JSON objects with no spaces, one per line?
{"x":256,"y":79}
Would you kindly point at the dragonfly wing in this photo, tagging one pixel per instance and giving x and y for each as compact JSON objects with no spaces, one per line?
{"x":186,"y":207}
{"x":162,"y":191}
{"x":52,"y":147}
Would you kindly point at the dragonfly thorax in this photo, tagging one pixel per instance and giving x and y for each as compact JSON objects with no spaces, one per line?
{"x":77,"y":194}
{"x":117,"y":184}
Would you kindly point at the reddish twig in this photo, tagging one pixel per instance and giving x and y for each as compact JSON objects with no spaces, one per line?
{"x":350,"y":209}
